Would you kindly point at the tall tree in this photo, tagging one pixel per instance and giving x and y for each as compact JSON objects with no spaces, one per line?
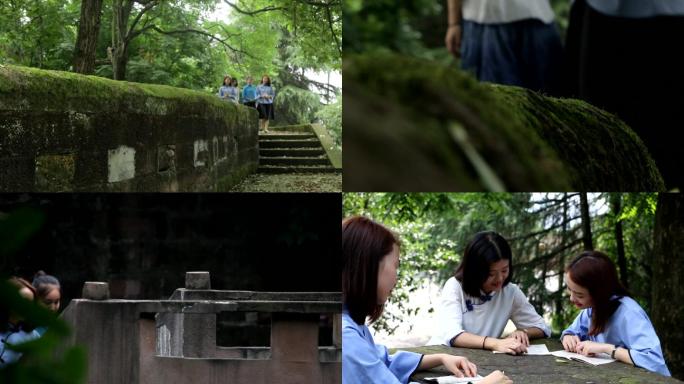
{"x":616,"y":205}
{"x":88,"y":32}
{"x":668,"y":269}
{"x":586,"y":222}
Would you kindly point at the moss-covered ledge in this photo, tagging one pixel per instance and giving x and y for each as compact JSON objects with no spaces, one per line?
{"x":412,"y":124}
{"x":61,"y":131}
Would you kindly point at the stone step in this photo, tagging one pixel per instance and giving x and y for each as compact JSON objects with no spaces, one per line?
{"x":297,"y":169}
{"x":287,"y":136}
{"x":313,"y":143}
{"x":293,"y":161}
{"x":293,"y":152}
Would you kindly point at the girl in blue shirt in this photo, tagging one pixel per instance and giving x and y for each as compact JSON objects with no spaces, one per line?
{"x":249,"y":94}
{"x":610,"y":322}
{"x":265,"y":95}
{"x":370,"y":259}
{"x":13,"y":329}
{"x":228,"y":91}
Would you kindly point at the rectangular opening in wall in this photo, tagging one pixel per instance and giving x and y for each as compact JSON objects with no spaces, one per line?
{"x":243,"y":329}
{"x":325,"y":330}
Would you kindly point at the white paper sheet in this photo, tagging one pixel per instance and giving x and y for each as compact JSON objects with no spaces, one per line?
{"x":599,"y":359}
{"x":534,"y":349}
{"x":454,"y":380}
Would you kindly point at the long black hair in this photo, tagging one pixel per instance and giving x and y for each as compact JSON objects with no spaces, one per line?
{"x":483,"y":249}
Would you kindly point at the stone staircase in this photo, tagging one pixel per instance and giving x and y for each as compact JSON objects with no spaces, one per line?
{"x":292,"y":152}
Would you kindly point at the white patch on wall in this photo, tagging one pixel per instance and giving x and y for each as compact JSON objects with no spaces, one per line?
{"x":201,"y":153}
{"x":163,"y":341}
{"x":121,"y":163}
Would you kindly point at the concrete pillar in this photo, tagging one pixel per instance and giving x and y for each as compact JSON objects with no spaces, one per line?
{"x":337,"y":330}
{"x":95,"y":290}
{"x":188,"y":335}
{"x":197,"y":280}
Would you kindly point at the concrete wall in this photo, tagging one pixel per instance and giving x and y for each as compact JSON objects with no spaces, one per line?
{"x":61,"y":131}
{"x":173,"y":341}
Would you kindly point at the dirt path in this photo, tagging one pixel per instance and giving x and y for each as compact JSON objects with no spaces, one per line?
{"x":295,"y":182}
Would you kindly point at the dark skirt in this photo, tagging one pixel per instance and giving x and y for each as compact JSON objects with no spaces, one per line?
{"x":632,"y":68}
{"x":526,"y":53}
{"x":266,"y":111}
{"x":251,"y":104}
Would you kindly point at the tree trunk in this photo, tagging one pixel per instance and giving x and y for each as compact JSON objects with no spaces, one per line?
{"x":121,"y":12}
{"x":561,"y":260}
{"x":586,"y":222}
{"x":616,"y":203}
{"x":668,"y":268}
{"x":88,"y":32}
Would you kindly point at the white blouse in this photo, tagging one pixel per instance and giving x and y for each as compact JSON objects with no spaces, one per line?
{"x":506,"y":11}
{"x":458,"y":312}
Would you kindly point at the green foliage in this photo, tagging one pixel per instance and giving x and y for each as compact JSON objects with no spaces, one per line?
{"x":385,"y":24}
{"x":41,"y":362}
{"x":296,"y":106}
{"x":562,"y":10}
{"x":331,"y":117}
{"x":544,"y":231}
{"x":194,"y":52}
{"x":38,"y":33}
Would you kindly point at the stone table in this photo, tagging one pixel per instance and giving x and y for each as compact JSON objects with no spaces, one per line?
{"x":542,"y":369}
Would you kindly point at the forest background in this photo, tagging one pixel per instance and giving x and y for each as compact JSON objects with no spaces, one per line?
{"x":190,"y":44}
{"x":642,"y":232}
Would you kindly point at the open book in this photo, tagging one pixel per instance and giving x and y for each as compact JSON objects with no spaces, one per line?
{"x":453,"y":379}
{"x":534,"y":349}
{"x":599,"y":359}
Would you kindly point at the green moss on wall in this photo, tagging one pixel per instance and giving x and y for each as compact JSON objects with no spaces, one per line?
{"x":399,"y":133}
{"x":48,"y":113}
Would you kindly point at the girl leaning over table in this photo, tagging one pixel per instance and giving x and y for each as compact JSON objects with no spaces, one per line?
{"x":610,"y":322}
{"x":477,"y":302}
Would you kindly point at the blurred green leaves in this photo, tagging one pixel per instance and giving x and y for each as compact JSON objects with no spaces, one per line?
{"x":44,"y":360}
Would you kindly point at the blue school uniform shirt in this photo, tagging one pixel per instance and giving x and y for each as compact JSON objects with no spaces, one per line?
{"x":265,"y":89}
{"x":7,"y":355}
{"x":629,"y":327}
{"x":231,"y":92}
{"x":365,"y":362}
{"x":249,"y":93}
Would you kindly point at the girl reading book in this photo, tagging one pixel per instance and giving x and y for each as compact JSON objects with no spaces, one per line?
{"x":610,"y":322}
{"x":370,"y":259}
{"x":477,"y":302}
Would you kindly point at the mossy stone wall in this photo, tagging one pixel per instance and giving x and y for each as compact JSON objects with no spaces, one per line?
{"x":416,"y":125}
{"x":62,"y":131}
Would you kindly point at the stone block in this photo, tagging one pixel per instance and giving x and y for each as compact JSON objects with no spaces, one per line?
{"x":95,"y":290}
{"x":197,"y":280}
{"x":55,"y":173}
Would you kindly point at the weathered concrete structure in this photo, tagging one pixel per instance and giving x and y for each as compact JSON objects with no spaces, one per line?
{"x":62,"y":131}
{"x":174,"y":341}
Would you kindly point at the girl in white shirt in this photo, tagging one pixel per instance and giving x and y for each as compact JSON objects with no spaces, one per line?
{"x":512,"y":42}
{"x":478,"y":301}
